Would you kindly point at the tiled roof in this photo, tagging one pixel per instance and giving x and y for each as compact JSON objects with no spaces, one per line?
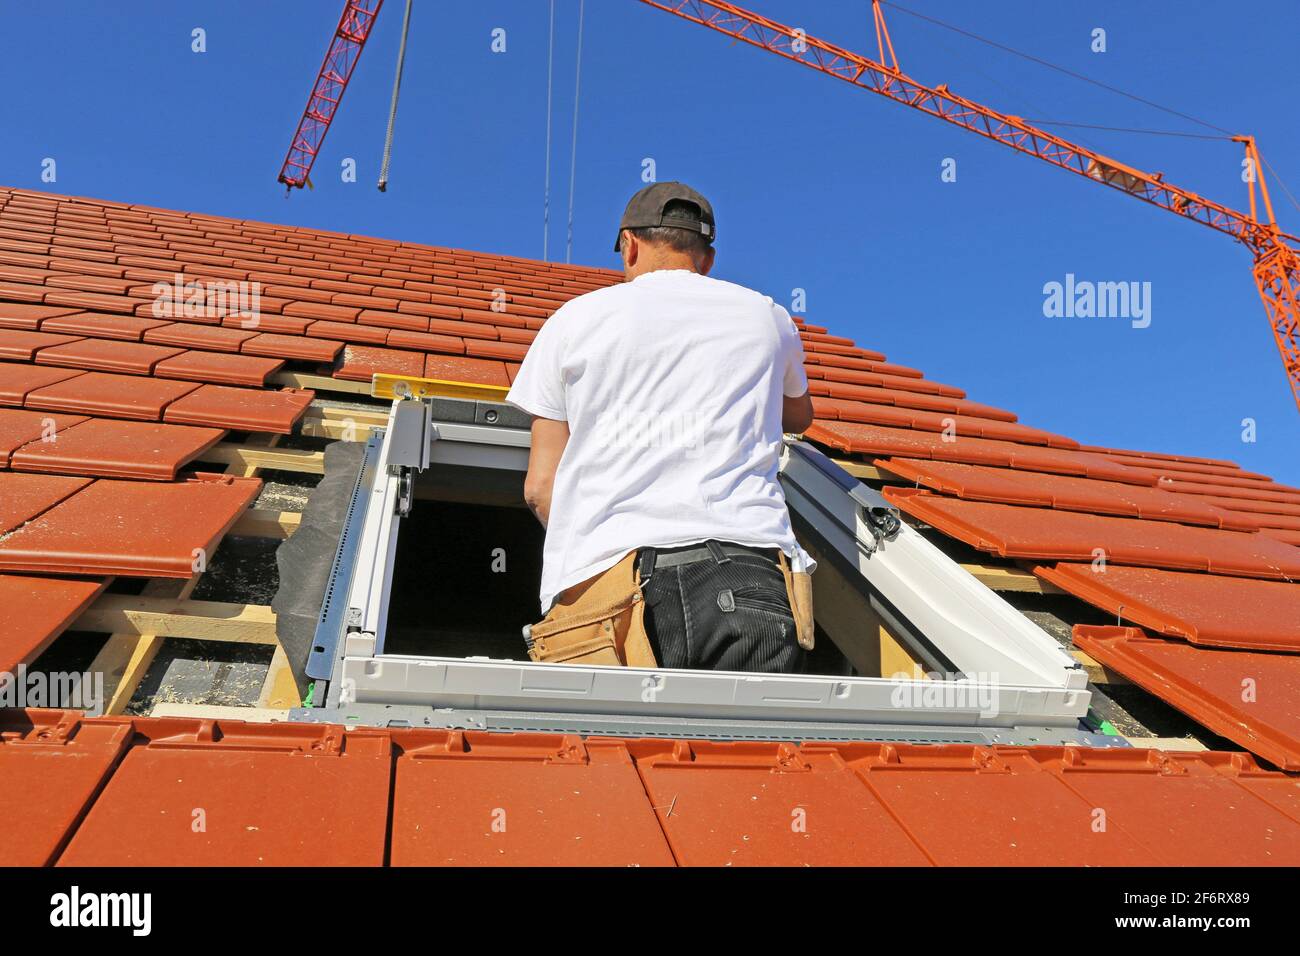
{"x":120,"y":791}
{"x":1199,"y":551}
{"x":132,"y":394}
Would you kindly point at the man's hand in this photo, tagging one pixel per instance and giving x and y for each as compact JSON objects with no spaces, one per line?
{"x":549,"y":439}
{"x":796,"y":414}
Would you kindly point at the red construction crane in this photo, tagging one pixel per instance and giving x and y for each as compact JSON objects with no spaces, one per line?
{"x":1276,"y":260}
{"x":327,"y":92}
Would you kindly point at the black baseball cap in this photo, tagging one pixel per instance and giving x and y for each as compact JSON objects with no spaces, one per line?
{"x":646,"y":210}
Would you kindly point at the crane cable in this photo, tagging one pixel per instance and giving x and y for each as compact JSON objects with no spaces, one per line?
{"x":573,"y":156}
{"x":1053,"y":66}
{"x":546,"y":197}
{"x":1227,"y":134}
{"x":392,"y":111}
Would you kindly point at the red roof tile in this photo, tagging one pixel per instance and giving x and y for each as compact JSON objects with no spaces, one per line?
{"x":17,"y":380}
{"x":1177,"y":469}
{"x":287,"y":795}
{"x":1206,"y":609}
{"x":317,"y":310}
{"x":348,"y":332}
{"x":1263,"y":493}
{"x":611,"y":801}
{"x":246,"y":409}
{"x":214,"y":338}
{"x":148,"y":529}
{"x":113,"y":449}
{"x":50,"y":774}
{"x":891,"y":396}
{"x":594,"y":813}
{"x":269,"y":323}
{"x":950,"y":424}
{"x":904,"y":442}
{"x":292,"y":346}
{"x":21,"y":346}
{"x":1252,"y":698}
{"x":221,"y":367}
{"x":856,"y":377}
{"x":1010,"y":815}
{"x":1039,"y":533}
{"x":426,"y":342}
{"x":128,"y":327}
{"x":23,"y":497}
{"x":411,"y":321}
{"x":1014,"y":487}
{"x":15,"y":315}
{"x":1160,"y":456}
{"x":453,"y":368}
{"x":735,"y":806}
{"x":114,"y":396}
{"x":106,"y":355}
{"x":361,"y":362}
{"x":18,"y":427}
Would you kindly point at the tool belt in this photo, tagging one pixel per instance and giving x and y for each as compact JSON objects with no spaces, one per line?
{"x":602,"y":620}
{"x":599,"y":621}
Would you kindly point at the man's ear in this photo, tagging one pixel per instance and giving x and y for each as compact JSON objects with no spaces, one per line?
{"x":629,"y":248}
{"x":706,"y":264}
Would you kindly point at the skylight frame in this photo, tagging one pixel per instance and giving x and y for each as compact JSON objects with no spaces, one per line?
{"x":1046,"y":688}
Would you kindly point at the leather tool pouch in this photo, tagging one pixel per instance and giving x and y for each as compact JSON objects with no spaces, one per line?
{"x":798,"y":585}
{"x":599,"y":621}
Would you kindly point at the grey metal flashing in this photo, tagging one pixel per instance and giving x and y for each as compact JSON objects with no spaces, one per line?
{"x":330,"y":622}
{"x":557,"y":722}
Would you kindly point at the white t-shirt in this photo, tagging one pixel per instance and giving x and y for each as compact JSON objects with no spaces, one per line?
{"x":672,"y":387}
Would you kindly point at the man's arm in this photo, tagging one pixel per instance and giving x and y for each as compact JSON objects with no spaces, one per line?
{"x":796,"y":413}
{"x":549,"y":438}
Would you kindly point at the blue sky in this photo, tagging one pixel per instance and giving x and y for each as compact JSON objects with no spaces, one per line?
{"x":817,"y":186}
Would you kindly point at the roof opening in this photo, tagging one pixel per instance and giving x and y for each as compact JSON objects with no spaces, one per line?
{"x":437,"y":572}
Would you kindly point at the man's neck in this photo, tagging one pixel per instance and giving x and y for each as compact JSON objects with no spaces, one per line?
{"x":668,"y":264}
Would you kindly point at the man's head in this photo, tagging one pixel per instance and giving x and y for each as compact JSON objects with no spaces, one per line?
{"x":666,"y":226}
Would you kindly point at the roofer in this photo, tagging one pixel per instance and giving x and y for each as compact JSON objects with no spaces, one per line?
{"x":658,"y":408}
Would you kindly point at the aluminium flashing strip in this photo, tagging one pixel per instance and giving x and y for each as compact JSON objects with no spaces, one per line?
{"x":332,"y":621}
{"x":1033,"y":680}
{"x":660,"y":726}
{"x":371,"y":580}
{"x":472,"y":683}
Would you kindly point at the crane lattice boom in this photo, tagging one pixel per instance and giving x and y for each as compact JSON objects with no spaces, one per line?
{"x":1277,"y":264}
{"x":327,"y":92}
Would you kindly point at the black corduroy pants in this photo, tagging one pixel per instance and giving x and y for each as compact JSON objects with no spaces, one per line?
{"x":727,"y":613}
